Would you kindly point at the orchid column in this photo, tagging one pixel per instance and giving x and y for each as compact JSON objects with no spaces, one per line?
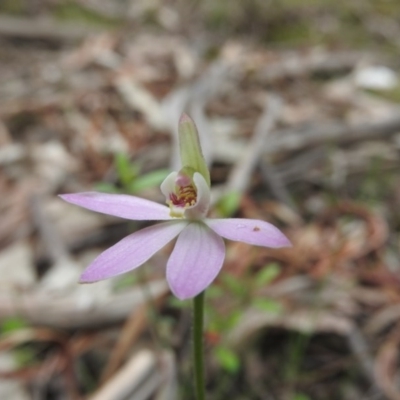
{"x":199,"y":251}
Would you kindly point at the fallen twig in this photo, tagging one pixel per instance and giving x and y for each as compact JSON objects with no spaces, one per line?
{"x":133,"y":327}
{"x":276,"y":184}
{"x":42,"y":28}
{"x":295,"y":65}
{"x":129,"y":377}
{"x":81,"y":309}
{"x":285,"y":140}
{"x":239,"y":178}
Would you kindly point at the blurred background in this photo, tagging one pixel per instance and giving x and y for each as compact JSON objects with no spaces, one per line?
{"x":297,"y":103}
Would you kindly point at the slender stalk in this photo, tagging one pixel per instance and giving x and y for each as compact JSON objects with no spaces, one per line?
{"x":198,"y":351}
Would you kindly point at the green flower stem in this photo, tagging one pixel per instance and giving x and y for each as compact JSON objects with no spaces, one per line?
{"x":198,"y":351}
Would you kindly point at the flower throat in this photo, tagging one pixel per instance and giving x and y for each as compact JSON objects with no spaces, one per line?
{"x":185,"y":194}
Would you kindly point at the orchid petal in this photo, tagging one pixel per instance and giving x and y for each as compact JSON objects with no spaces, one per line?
{"x":252,"y":231}
{"x":168,"y":185}
{"x":119,"y":205}
{"x":200,"y":209}
{"x":195,"y":261}
{"x":132,"y":251}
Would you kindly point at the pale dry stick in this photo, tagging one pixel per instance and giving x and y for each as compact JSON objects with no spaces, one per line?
{"x":165,"y":115}
{"x":300,"y":320}
{"x":168,"y":389}
{"x":240,"y":176}
{"x":108,"y":9}
{"x":133,"y":326}
{"x":385,"y":27}
{"x":203,"y":90}
{"x":5,"y":135}
{"x":286,"y":140}
{"x":297,"y":167}
{"x":360,"y":349}
{"x":276,"y":184}
{"x":75,"y":310}
{"x":43,"y":28}
{"x":165,"y":380}
{"x":13,"y":152}
{"x":148,"y":388}
{"x":129,"y":378}
{"x":194,"y":98}
{"x":139,"y":98}
{"x":53,"y":244}
{"x":382,"y":319}
{"x":295,"y":64}
{"x":64,"y":272}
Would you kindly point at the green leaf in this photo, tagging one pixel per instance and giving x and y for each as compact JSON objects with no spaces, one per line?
{"x":213,"y":292}
{"x":227,"y":359}
{"x":233,"y":284}
{"x":267,"y":274}
{"x":300,"y":396}
{"x":233,"y":318}
{"x":126,"y":281}
{"x":228,"y":204}
{"x":24,"y":356}
{"x":126,"y":171}
{"x":190,"y":148}
{"x":12,"y":324}
{"x":148,"y":180}
{"x":268,"y":305}
{"x":106,"y":187}
{"x":180,"y":304}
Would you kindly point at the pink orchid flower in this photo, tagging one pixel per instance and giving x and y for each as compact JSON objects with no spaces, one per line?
{"x":199,"y":251}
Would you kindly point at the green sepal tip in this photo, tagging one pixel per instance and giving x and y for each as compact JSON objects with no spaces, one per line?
{"x":190,"y":148}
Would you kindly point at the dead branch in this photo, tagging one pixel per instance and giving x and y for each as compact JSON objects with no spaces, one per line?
{"x":55,"y":248}
{"x":194,"y":99}
{"x":285,"y":140}
{"x":133,"y":327}
{"x":239,"y":178}
{"x":276,"y":184}
{"x":129,"y":378}
{"x":293,"y":65}
{"x":78,"y":309}
{"x":43,"y":28}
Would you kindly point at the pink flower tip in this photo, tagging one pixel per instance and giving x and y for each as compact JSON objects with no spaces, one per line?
{"x":185,"y":118}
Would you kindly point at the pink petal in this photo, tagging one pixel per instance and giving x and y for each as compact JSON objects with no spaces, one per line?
{"x":200,"y":209}
{"x":168,"y":185}
{"x":119,"y":205}
{"x":132,"y":251}
{"x":195,"y":261}
{"x":252,"y":231}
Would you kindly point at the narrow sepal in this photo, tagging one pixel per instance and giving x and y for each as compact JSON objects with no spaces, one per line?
{"x":132,"y":251}
{"x":251,"y":231}
{"x":190,"y":149}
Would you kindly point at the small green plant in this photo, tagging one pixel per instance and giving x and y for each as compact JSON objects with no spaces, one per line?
{"x":228,"y":204}
{"x":130,"y":179}
{"x":300,"y":396}
{"x":225,"y":306}
{"x":227,"y":359}
{"x":12,"y":6}
{"x":74,"y":11}
{"x":12,"y":324}
{"x":23,"y":355}
{"x":267,"y":274}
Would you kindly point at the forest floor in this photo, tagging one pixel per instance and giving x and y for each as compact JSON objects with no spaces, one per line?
{"x":298,"y":107}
